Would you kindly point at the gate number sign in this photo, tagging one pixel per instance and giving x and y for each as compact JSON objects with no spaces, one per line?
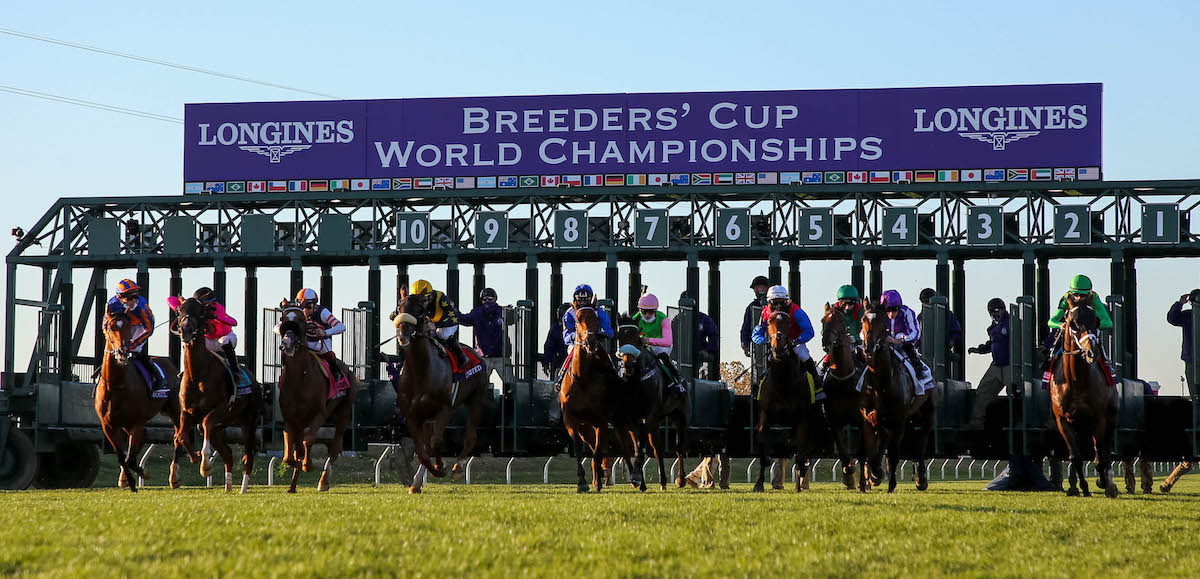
{"x":491,"y":230}
{"x":1072,"y":225}
{"x":733,"y":227}
{"x":985,"y":225}
{"x":815,"y":227}
{"x":900,"y":226}
{"x":1160,"y":223}
{"x":650,"y":228}
{"x":412,"y":230}
{"x":570,"y":229}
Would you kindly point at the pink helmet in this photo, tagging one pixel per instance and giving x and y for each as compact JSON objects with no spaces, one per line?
{"x":648,"y":302}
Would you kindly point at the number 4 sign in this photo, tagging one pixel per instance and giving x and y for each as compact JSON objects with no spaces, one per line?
{"x":900,"y":226}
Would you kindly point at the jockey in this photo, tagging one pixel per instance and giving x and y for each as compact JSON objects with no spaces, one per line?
{"x":218,"y":331}
{"x":850,"y":304}
{"x":323,"y":325}
{"x":128,"y":300}
{"x":904,"y":331}
{"x":583,"y":297}
{"x":801,"y":329}
{"x":1080,"y":292}
{"x":655,"y":327}
{"x":440,"y":311}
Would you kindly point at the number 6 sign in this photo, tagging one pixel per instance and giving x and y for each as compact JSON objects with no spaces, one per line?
{"x":733,"y":227}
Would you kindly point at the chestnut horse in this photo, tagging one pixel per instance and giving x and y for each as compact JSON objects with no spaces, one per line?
{"x":843,"y":401}
{"x":787,"y":399}
{"x":1085,"y":407}
{"x":888,"y":404}
{"x":207,"y":399}
{"x":646,"y":406}
{"x":426,"y":393}
{"x":304,"y":400}
{"x":123,"y":400}
{"x":589,"y":395}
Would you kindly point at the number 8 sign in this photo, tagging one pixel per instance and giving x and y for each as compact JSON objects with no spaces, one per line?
{"x":733,"y":227}
{"x":491,"y":230}
{"x":570,"y":229}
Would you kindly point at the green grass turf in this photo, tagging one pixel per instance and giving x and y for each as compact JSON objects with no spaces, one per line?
{"x":549,"y":530}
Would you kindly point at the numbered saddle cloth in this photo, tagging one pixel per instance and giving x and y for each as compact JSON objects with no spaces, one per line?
{"x":337,"y":387}
{"x":147,"y":377}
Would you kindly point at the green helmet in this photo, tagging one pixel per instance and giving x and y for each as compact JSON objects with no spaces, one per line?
{"x":1081,"y":284}
{"x":847,"y":292}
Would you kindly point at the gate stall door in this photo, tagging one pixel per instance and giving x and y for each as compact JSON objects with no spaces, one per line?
{"x":354,"y":340}
{"x":272,"y":364}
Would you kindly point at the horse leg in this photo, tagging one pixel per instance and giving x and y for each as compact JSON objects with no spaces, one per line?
{"x":418,"y":480}
{"x":249,"y":447}
{"x":1130,"y":477}
{"x":923,"y":447}
{"x":577,"y":441}
{"x":652,"y":433}
{"x":598,"y":457}
{"x":801,"y":460}
{"x":681,"y":429}
{"x":182,"y":439}
{"x":841,"y":447}
{"x":437,"y":430}
{"x":473,"y":420}
{"x":173,"y":479}
{"x":137,"y":436}
{"x":335,"y":445}
{"x":113,"y":435}
{"x":638,"y":471}
{"x":893,"y":452}
{"x":1103,"y":442}
{"x":1076,"y":463}
{"x":214,"y":434}
{"x":763,"y":458}
{"x":1180,"y":470}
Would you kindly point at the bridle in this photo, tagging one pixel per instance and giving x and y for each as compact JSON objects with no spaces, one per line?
{"x":1084,"y":341}
{"x":832,"y":344}
{"x":412,"y":323}
{"x":117,"y":323}
{"x":584,"y":338}
{"x":780,"y":336}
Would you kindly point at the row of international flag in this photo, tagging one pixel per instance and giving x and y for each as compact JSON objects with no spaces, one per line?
{"x":637,"y":179}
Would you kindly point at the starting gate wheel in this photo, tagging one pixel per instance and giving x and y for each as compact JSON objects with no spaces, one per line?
{"x":72,"y":465}
{"x":18,"y":461}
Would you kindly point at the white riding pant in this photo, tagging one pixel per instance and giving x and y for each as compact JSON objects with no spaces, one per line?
{"x":801,"y":351}
{"x":218,"y":344}
{"x":321,"y":346}
{"x":134,"y":335}
{"x":656,"y":350}
{"x":445,"y":333}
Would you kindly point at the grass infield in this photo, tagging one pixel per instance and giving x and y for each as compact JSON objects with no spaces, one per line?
{"x":550,"y":531}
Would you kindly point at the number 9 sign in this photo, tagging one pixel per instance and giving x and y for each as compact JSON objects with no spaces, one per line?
{"x":491,"y":230}
{"x":570,"y":229}
{"x":733,"y":227}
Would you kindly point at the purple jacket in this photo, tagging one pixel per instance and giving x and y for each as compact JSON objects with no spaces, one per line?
{"x":488,"y":321}
{"x":998,"y":341}
{"x":1181,"y":319}
{"x":905,"y":327}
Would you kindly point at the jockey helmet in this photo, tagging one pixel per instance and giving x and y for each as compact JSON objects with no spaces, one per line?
{"x":420,"y":287}
{"x":760,"y":280}
{"x":205,"y":295}
{"x":848,"y":292}
{"x":648,"y":302}
{"x":488,"y":293}
{"x":306,"y":295}
{"x":583,"y":293}
{"x":996,"y":304}
{"x":777,"y":292}
{"x":1081,"y":284}
{"x":891,"y":299}
{"x":562,"y":310}
{"x":926,"y":294}
{"x":127,"y":287}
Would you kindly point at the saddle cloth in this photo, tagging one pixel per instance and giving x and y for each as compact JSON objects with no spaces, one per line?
{"x":162,"y":392}
{"x":918,"y":387}
{"x":815,"y":392}
{"x":474,"y":362}
{"x":337,"y":388}
{"x":242,"y":382}
{"x":1110,"y":376}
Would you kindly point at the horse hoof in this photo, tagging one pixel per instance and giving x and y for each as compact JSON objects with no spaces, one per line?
{"x":776,"y":487}
{"x":307,"y":466}
{"x":1073,"y":493}
{"x":175,"y":484}
{"x":1163,"y":488}
{"x":582,"y":488}
{"x":679,"y":483}
{"x":1111,"y":492}
{"x":758,"y":488}
{"x":662,"y":487}
{"x":922,"y":485}
{"x":414,"y":490}
{"x":642,"y":488}
{"x":291,"y":491}
{"x":1087,"y":493}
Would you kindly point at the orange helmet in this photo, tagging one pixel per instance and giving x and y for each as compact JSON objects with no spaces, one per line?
{"x":306,"y":295}
{"x":126,"y":287}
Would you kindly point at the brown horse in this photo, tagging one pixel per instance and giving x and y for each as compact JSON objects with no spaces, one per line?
{"x":843,"y":401}
{"x":207,"y":399}
{"x":304,"y":400}
{"x":787,"y":399}
{"x":646,"y":406}
{"x":889,"y":404}
{"x":1085,"y":407}
{"x":589,"y":397}
{"x":123,"y":400}
{"x":426,"y":393}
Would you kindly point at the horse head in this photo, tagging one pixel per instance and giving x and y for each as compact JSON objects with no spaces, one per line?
{"x":412,"y":314}
{"x":629,"y":339}
{"x":779,"y":327}
{"x":189,"y":323}
{"x":587,"y":330}
{"x":833,"y":329}
{"x":117,"y":329}
{"x":1079,"y":335}
{"x":292,"y":326}
{"x":874,"y":328}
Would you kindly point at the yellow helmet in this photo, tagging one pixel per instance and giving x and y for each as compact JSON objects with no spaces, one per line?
{"x":421,"y":286}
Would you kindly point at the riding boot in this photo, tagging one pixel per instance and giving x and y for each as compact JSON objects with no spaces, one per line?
{"x":911,"y":351}
{"x":335,"y":369}
{"x":455,"y":350}
{"x":235,"y":369}
{"x":156,"y":381}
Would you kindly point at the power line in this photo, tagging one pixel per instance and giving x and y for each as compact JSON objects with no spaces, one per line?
{"x":90,"y":104}
{"x":159,"y":62}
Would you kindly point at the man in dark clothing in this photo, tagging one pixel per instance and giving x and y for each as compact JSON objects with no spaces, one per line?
{"x":1178,"y":317}
{"x":760,"y":285}
{"x":707,"y":338}
{"x":554,"y":351}
{"x":998,"y":373}
{"x":488,"y":321}
{"x":954,"y":331}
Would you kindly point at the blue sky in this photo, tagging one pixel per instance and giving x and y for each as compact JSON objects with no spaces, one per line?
{"x":1142,"y":52}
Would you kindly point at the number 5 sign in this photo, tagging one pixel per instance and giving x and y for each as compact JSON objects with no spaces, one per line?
{"x":733,"y":227}
{"x":570,"y":229}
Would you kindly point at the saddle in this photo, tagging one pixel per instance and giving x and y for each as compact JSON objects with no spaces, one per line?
{"x":1110,"y":375}
{"x":474,"y":362}
{"x":337,"y":388}
{"x":241,"y":381}
{"x":162,"y":392}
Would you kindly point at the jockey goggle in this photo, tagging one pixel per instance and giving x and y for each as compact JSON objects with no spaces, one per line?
{"x":488,"y":300}
{"x":308,"y":304}
{"x":847,"y":302}
{"x":647,"y":312}
{"x":892,"y":309}
{"x":779,"y":302}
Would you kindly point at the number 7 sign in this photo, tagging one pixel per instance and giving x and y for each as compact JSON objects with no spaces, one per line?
{"x":650,"y":228}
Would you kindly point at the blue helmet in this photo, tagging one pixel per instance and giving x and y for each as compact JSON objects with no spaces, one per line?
{"x":583,"y":293}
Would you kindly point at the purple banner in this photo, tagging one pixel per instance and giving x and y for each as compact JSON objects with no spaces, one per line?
{"x":918,"y":129}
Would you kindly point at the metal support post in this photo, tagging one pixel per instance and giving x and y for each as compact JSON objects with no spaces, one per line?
{"x":774,"y":269}
{"x":635,"y":285}
{"x":250,"y":343}
{"x":958,"y":305}
{"x":793,"y":282}
{"x":452,"y":277}
{"x":531,"y":294}
{"x":612,"y":286}
{"x":100,"y":296}
{"x":1131,"y":307}
{"x":478,"y":283}
{"x":174,"y":346}
{"x":858,"y":274}
{"x":10,"y":331}
{"x":326,"y":291}
{"x":941,"y":274}
{"x":714,"y":309}
{"x":374,"y":317}
{"x":219,"y":279}
{"x":143,"y":278}
{"x":876,"y":278}
{"x":297,"y":279}
{"x":556,"y":290}
{"x":1042,"y":297}
{"x":66,"y":356}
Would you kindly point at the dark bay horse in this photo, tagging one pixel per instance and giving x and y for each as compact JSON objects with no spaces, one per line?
{"x":589,"y":395}
{"x":123,"y":401}
{"x":207,"y":399}
{"x":786,"y":399}
{"x":304,"y":400}
{"x":888,"y":405}
{"x":843,"y":401}
{"x":426,"y":393}
{"x":1085,"y":407}
{"x":646,"y":404}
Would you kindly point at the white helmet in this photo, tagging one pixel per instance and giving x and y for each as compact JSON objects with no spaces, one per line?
{"x":777,"y":293}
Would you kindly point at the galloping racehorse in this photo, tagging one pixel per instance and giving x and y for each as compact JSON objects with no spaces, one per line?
{"x":647,"y":404}
{"x":889,"y":392}
{"x":787,"y":399}
{"x":1085,"y":407}
{"x":304,"y":400}
{"x":843,"y":402}
{"x":588,"y":399}
{"x":207,"y":398}
{"x":426,"y":393}
{"x":123,"y":400}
